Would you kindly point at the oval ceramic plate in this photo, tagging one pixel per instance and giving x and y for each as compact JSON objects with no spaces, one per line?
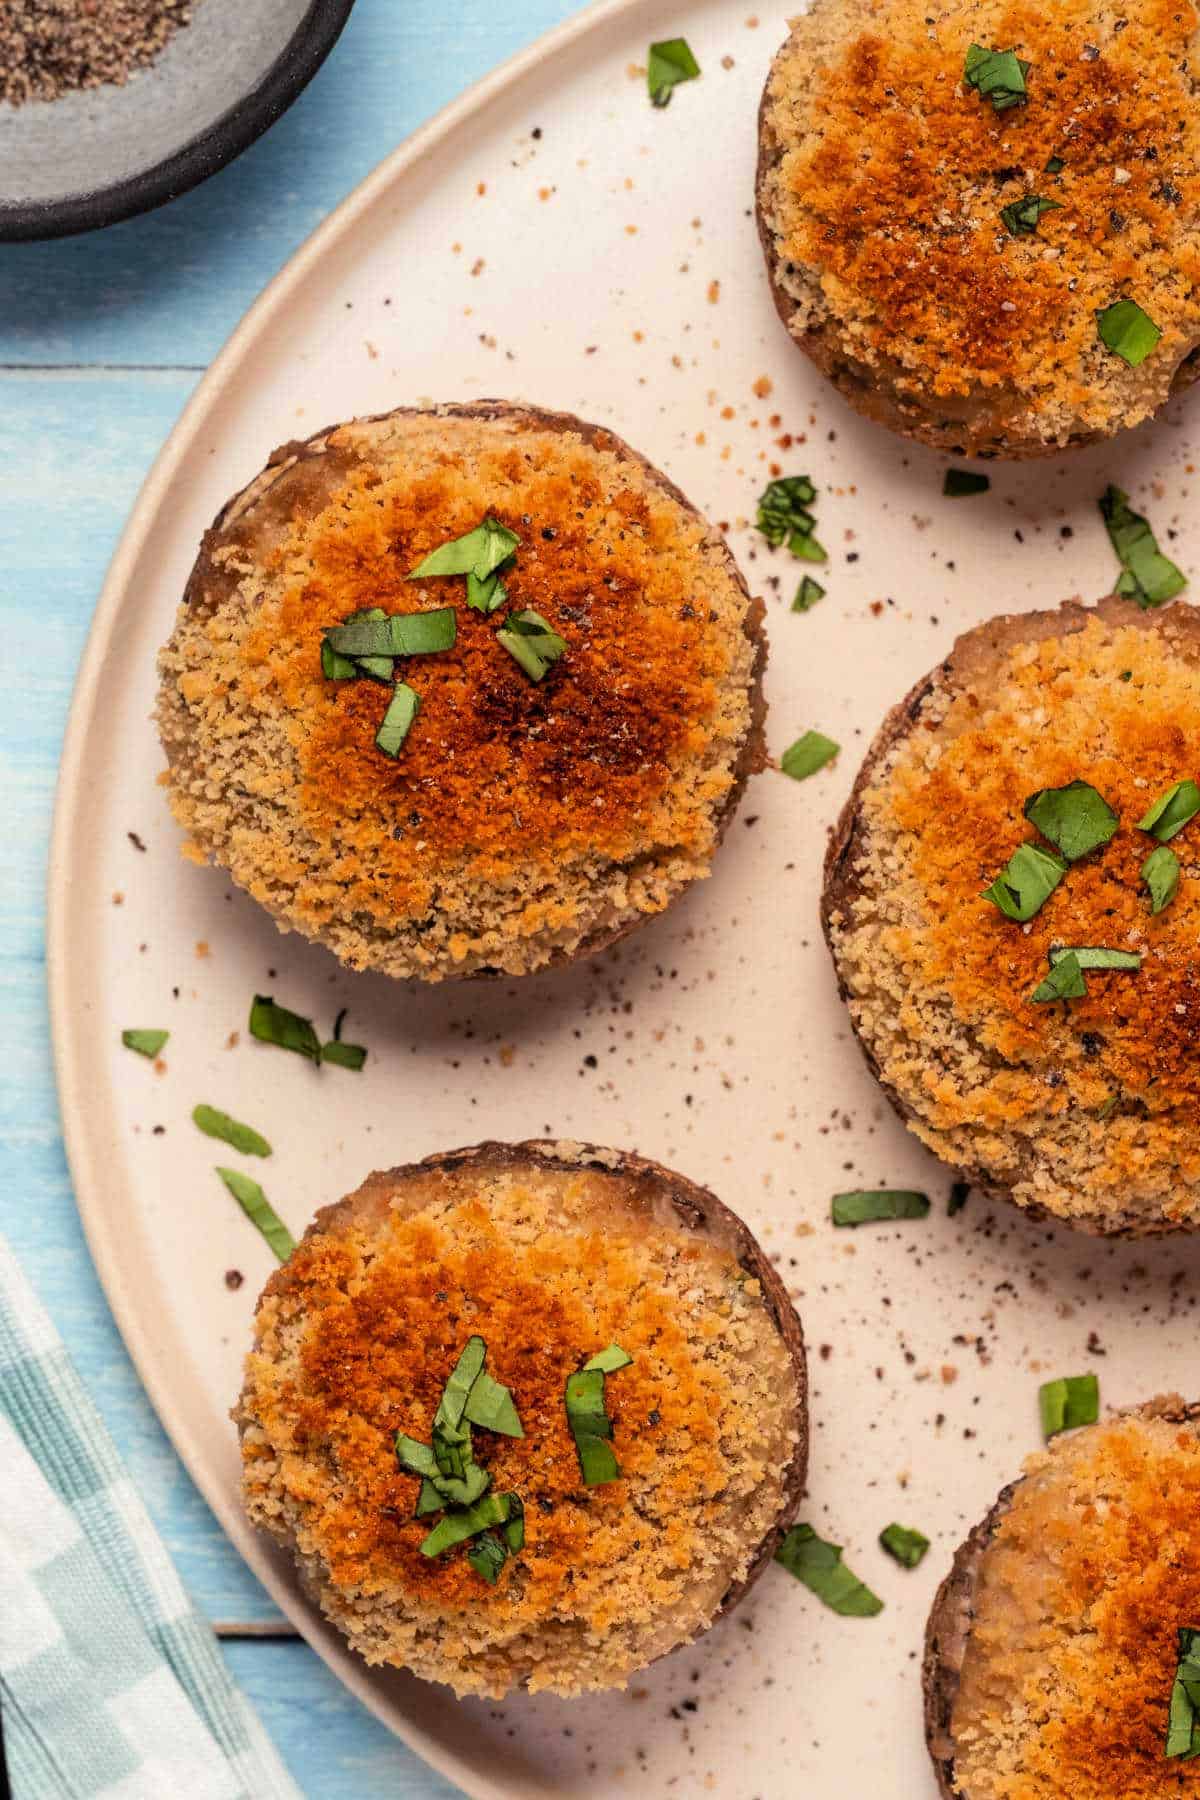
{"x":554,"y":238}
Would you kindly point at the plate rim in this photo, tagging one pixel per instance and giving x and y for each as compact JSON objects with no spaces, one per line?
{"x":82,"y":1146}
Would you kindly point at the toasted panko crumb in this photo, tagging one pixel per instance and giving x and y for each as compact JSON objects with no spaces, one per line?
{"x":885,"y":177}
{"x":1072,"y":1653}
{"x":1088,"y":1111}
{"x":521,"y":820}
{"x":354,"y":1339}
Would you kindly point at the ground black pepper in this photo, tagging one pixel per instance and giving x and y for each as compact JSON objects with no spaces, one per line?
{"x":49,"y":47}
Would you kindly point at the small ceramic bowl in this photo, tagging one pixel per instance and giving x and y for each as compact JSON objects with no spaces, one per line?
{"x":102,"y":154}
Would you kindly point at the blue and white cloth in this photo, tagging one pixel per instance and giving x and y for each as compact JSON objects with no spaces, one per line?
{"x":111,"y":1684}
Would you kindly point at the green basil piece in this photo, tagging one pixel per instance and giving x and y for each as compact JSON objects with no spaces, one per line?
{"x":428,"y":1500}
{"x":1076,"y":818}
{"x":820,"y":1567}
{"x":514,"y":1530}
{"x":272,"y":1024}
{"x":1147,"y":576}
{"x":415,"y":1457}
{"x":397,"y":721}
{"x":1160,"y":872}
{"x":908,"y":1547}
{"x":479,"y":553}
{"x":667,"y":64}
{"x":1127,"y":331}
{"x":1096,"y":956}
{"x":259,"y":1211}
{"x":997,"y":75}
{"x":1027,"y":883}
{"x":784,"y":518}
{"x":146,"y":1043}
{"x":1071,"y":1401}
{"x":869,"y":1205}
{"x":1171,"y":811}
{"x":807,"y":595}
{"x":460,"y":1490}
{"x":220,"y":1125}
{"x":1183,"y":1716}
{"x":335,"y":667}
{"x":808,"y":754}
{"x":490,"y":1406}
{"x":395,"y":634}
{"x":531,"y":642}
{"x":460,"y":1381}
{"x":958,"y":483}
{"x":487,"y":1556}
{"x":1064,"y":982}
{"x":346,"y":1056}
{"x":456,"y":1527}
{"x":1108,"y":1107}
{"x":587,"y":1415}
{"x":485,"y":596}
{"x":1021,"y":217}
{"x":1054,"y":165}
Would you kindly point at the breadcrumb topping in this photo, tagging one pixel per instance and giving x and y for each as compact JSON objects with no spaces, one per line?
{"x":519,"y":816}
{"x":354,"y":1340}
{"x":889,"y":178}
{"x":1072,"y":1653}
{"x":1088,"y":1110}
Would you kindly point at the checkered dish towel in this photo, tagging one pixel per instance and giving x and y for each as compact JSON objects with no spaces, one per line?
{"x":111,"y":1683}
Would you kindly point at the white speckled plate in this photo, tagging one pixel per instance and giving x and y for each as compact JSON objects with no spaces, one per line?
{"x":551,"y":237}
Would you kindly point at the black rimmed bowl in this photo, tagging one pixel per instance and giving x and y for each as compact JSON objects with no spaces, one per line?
{"x":105,"y":153}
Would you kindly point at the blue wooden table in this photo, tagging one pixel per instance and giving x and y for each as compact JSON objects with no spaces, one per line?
{"x":102,"y":339}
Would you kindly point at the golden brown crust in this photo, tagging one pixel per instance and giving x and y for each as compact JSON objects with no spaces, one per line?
{"x":1158,"y":1035}
{"x":948,"y":1632}
{"x":628,"y":760}
{"x":366,"y":1262}
{"x":879,"y":187}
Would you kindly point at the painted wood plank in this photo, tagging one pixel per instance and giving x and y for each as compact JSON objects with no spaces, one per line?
{"x":332,"y":1745}
{"x":169,"y":287}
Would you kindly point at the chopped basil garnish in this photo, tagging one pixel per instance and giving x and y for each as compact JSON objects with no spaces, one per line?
{"x":1147,"y":576}
{"x":395,"y":634}
{"x":467,"y":1522}
{"x":1064,"y":982}
{"x":669,"y":63}
{"x":783,"y":517}
{"x":346,"y":1056}
{"x":1160,"y":872}
{"x":958,"y":483}
{"x":514,"y":1530}
{"x":259,"y":1211}
{"x":808,"y":754}
{"x":1171,"y":811}
{"x":485,"y":596}
{"x":480,"y":553}
{"x":1075,"y":818}
{"x":1073,"y":1400}
{"x":1127,"y":331}
{"x":820,"y":1567}
{"x":807,"y":595}
{"x":487,"y":1556}
{"x":1020,"y":219}
{"x":397,"y":721}
{"x":588,"y":1418}
{"x":997,"y":75}
{"x":1027,"y":883}
{"x":1183,"y":1717}
{"x":490,"y":1406}
{"x":220,"y":1125}
{"x":1107,"y":1107}
{"x":273,"y":1024}
{"x":531,"y":642}
{"x":908,"y":1547}
{"x":1096,"y":956}
{"x":865,"y":1206}
{"x":146,"y":1043}
{"x":1054,"y":165}
{"x":335,"y":667}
